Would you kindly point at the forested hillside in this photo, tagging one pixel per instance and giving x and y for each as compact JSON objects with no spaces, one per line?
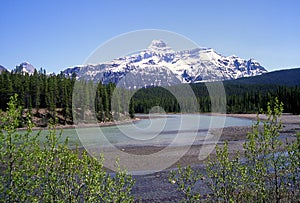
{"x":288,"y":77}
{"x":240,"y":98}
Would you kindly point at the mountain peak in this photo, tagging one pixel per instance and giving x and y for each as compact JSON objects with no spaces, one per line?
{"x":2,"y":68}
{"x":159,"y":65}
{"x":25,"y":67}
{"x":158,"y":45}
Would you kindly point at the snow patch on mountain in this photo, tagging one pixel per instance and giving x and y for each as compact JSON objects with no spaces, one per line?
{"x":159,"y":65}
{"x":2,"y":68}
{"x":25,"y":67}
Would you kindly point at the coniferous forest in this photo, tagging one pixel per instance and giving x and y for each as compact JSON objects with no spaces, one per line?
{"x":240,"y":98}
{"x":50,"y":96}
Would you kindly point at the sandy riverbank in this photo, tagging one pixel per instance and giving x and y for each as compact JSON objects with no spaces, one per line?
{"x":235,"y":136}
{"x":87,"y":125}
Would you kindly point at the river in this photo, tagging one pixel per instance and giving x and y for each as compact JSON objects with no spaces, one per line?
{"x":154,"y":130}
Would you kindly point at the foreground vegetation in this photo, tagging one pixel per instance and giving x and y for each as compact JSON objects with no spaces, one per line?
{"x":50,"y":172}
{"x":31,"y":171}
{"x":269,"y":170}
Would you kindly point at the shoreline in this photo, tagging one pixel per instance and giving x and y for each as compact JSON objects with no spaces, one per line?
{"x":235,"y":135}
{"x":85,"y":125}
{"x":285,"y":119}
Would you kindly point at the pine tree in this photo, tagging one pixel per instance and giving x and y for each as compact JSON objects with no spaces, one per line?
{"x":131,"y":108}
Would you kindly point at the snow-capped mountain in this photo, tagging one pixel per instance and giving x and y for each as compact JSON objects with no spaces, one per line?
{"x":2,"y":68}
{"x":159,"y":65}
{"x":25,"y":67}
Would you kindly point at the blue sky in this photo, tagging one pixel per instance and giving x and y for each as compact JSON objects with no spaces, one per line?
{"x":58,"y":34}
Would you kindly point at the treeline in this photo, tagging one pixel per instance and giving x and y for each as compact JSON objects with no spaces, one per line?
{"x":240,"y":98}
{"x":37,"y":90}
{"x":95,"y":101}
{"x":258,"y":96}
{"x":45,"y":96}
{"x":51,"y":96}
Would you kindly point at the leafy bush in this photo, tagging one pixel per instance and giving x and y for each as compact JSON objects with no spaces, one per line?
{"x":50,"y":172}
{"x":185,"y":179}
{"x":227,"y":175}
{"x":268,"y":172}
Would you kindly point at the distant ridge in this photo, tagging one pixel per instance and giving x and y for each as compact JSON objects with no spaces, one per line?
{"x":25,"y":67}
{"x":289,"y":77}
{"x":2,"y":68}
{"x":160,"y":65}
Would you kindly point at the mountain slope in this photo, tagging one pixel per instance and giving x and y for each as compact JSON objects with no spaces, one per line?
{"x":159,"y":65}
{"x":2,"y":68}
{"x":25,"y":67}
{"x":289,"y":77}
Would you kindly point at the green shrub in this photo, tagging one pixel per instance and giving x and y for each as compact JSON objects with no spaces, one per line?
{"x":185,"y":180}
{"x":227,"y":175}
{"x":269,"y":171}
{"x":51,"y":172}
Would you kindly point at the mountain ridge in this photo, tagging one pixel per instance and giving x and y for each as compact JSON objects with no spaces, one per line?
{"x":289,"y":77}
{"x":160,"y":65}
{"x":25,"y":67}
{"x":2,"y":68}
